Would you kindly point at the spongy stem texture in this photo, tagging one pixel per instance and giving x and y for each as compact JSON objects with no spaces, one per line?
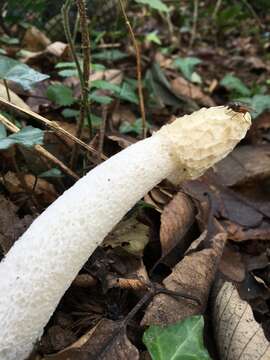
{"x":43,"y":262}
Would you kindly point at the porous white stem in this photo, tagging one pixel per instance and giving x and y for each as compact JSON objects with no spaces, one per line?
{"x":43,"y":262}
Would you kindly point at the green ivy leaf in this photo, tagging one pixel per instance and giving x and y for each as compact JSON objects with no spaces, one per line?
{"x":135,"y":127}
{"x":153,"y":37}
{"x":3,"y":131}
{"x":180,"y":341}
{"x":28,"y":137}
{"x":110,"y":55}
{"x":128,"y":93}
{"x":52,"y":173}
{"x":96,"y":121}
{"x":100,"y":99}
{"x":9,"y":40}
{"x":187,"y":66}
{"x":233,"y":83}
{"x":154,"y":4}
{"x":105,"y":85}
{"x":70,"y":113}
{"x":60,"y":94}
{"x":22,"y":74}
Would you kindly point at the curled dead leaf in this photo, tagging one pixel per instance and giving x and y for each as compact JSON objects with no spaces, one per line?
{"x":11,"y":226}
{"x":176,"y":219}
{"x":40,"y":187}
{"x":183,"y":87}
{"x":114,"y":76}
{"x":238,"y":335}
{"x":106,"y":341}
{"x":232,"y":265}
{"x":245,"y":164}
{"x":35,"y":40}
{"x":15,"y":99}
{"x":193,"y":276}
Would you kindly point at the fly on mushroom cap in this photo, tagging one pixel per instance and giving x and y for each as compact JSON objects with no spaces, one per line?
{"x":238,"y":107}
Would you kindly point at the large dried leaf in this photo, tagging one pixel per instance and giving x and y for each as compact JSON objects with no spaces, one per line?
{"x":245,"y":164}
{"x":183,"y":87}
{"x":240,"y":233}
{"x":35,"y":40}
{"x":238,"y":335}
{"x":194,"y":276}
{"x":11,"y":226}
{"x":176,"y":219}
{"x":15,"y":99}
{"x":232,"y":265}
{"x":107,"y":341}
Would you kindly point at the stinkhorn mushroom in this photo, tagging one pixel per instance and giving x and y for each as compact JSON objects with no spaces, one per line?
{"x":41,"y":265}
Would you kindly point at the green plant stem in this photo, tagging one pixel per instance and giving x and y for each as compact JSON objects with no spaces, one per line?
{"x":139,"y":68}
{"x":83,"y":75}
{"x":86,"y":50}
{"x":65,"y":18}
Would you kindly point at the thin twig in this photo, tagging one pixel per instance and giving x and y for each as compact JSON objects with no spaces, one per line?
{"x":51,"y":124}
{"x":194,"y":25}
{"x":139,"y":68}
{"x":84,"y":82}
{"x":216,"y":9}
{"x":7,"y":89}
{"x":76,"y":26}
{"x":46,"y":154}
{"x":102,"y":130}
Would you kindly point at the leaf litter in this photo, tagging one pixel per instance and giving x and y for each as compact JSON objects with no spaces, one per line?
{"x":217,"y":226}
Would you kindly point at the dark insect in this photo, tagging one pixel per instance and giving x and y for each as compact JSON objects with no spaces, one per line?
{"x":238,"y":107}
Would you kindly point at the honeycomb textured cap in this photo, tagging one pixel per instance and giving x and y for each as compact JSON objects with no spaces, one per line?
{"x":201,"y":139}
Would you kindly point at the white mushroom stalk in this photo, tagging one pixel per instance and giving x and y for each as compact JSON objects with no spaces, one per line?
{"x":41,"y":265}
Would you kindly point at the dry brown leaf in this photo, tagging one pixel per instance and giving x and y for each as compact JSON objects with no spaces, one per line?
{"x":259,"y":132}
{"x":106,"y":341}
{"x":15,"y":99}
{"x":11,"y":226}
{"x":114,"y":76}
{"x":182,"y":87}
{"x":194,"y":276}
{"x":256,"y":63}
{"x":72,"y":129}
{"x":232,"y":265}
{"x":240,"y":233}
{"x":41,"y":187}
{"x":121,"y":114}
{"x":176,"y":220}
{"x":53,"y":52}
{"x":246,"y":163}
{"x":122,"y":140}
{"x":160,"y":197}
{"x":35,"y":40}
{"x":238,"y":335}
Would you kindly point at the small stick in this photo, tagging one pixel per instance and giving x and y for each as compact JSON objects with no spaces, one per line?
{"x":51,"y":124}
{"x":7,"y":89}
{"x":139,"y":68}
{"x":102,"y":131}
{"x":13,"y":128}
{"x":216,"y":9}
{"x":84,"y":108}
